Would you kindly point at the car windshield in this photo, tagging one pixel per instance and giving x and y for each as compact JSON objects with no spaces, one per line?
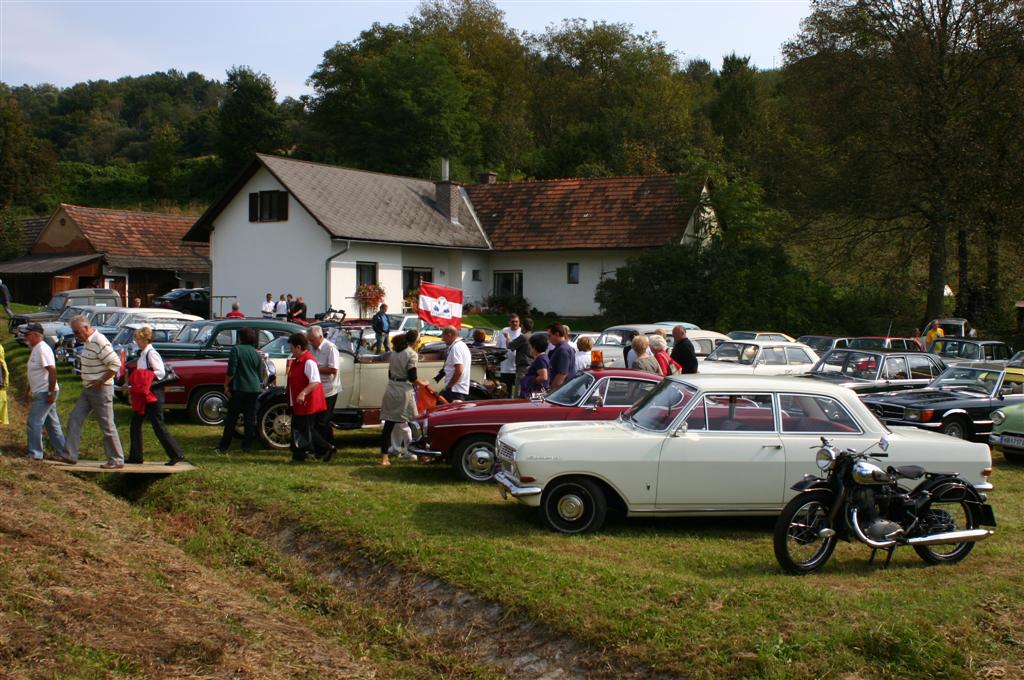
{"x":819,"y":343}
{"x":277,"y":348}
{"x":570,"y":393}
{"x":124,"y":336}
{"x":114,"y":319}
{"x":734,"y":352}
{"x":56,"y":303}
{"x":657,"y":409}
{"x":189,"y":332}
{"x":105,"y":318}
{"x":967,"y":378}
{"x":859,"y":365}
{"x":957,"y":349}
{"x":69,"y":312}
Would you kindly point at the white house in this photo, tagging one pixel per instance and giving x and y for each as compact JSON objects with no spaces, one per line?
{"x":319,"y":231}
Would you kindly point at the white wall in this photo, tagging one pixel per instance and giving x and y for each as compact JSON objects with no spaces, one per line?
{"x":251,"y":259}
{"x":476,"y":291}
{"x":343,"y":274}
{"x":544,"y":277}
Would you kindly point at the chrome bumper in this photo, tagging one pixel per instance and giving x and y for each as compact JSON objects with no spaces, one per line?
{"x":510,"y":487}
{"x":420,"y":449}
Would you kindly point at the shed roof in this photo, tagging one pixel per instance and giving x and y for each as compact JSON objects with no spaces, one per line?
{"x":604,"y":212}
{"x":45,"y":264}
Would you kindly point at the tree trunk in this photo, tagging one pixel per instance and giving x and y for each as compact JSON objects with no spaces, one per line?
{"x":963,"y":293}
{"x":992,"y":283}
{"x":936,"y":271}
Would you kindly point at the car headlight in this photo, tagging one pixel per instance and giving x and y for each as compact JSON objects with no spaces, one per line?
{"x":825,"y":459}
{"x":418,"y":428}
{"x":921,"y":415}
{"x":998,"y":418}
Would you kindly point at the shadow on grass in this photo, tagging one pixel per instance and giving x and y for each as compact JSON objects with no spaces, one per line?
{"x":407,"y":473}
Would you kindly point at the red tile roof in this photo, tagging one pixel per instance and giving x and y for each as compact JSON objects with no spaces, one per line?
{"x":605,"y":212}
{"x":140,"y":240}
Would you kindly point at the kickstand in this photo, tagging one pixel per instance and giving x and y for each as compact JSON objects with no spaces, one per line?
{"x":888,"y":558}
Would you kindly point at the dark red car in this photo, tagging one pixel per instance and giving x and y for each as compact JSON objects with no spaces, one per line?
{"x":200,"y":390}
{"x":463,"y":433}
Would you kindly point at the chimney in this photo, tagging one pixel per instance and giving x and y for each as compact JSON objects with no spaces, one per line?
{"x":487,"y":178}
{"x":446,"y":195}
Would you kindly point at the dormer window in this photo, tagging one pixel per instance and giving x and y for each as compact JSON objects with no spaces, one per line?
{"x":268,"y":206}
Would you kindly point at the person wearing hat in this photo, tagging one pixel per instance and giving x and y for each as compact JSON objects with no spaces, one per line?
{"x":41,"y":394}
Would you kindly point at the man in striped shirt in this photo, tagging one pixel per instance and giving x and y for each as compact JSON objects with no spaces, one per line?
{"x":99,"y":365}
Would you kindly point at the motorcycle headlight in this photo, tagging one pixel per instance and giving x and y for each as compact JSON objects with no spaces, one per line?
{"x":825,"y":459}
{"x":998,"y":418}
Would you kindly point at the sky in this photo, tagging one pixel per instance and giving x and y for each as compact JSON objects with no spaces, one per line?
{"x":68,"y":41}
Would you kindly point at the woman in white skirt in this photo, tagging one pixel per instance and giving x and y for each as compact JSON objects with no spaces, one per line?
{"x":399,"y":404}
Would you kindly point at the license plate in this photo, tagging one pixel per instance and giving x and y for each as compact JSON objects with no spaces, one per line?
{"x":1013,"y":442}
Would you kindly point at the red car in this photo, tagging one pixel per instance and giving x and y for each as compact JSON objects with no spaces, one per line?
{"x":200,"y":391}
{"x":463,"y":433}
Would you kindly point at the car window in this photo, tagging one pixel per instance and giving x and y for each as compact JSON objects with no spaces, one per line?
{"x":702,"y":346}
{"x":226,"y":338}
{"x":996,"y":352}
{"x":774,"y":356}
{"x":842,"y":342}
{"x":624,"y":391}
{"x":78,"y":301}
{"x":795,"y":355}
{"x":613,"y":338}
{"x":263,"y":336}
{"x":777,"y":338}
{"x":895,"y":368}
{"x":734,"y":352}
{"x":815,"y":413}
{"x":739,"y":413}
{"x":658,"y":409}
{"x":921,"y":368}
{"x":1013,"y":383}
{"x":570,"y":393}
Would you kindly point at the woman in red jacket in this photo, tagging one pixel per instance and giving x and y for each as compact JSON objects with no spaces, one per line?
{"x":306,"y":397}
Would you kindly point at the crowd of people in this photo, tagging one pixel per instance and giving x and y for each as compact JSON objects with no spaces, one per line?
{"x":287,"y":307}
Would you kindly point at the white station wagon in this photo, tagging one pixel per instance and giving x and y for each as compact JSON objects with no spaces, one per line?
{"x":706,"y":445}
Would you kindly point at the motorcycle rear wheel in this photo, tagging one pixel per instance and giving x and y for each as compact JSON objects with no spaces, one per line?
{"x":939,"y":517}
{"x":799,"y":546}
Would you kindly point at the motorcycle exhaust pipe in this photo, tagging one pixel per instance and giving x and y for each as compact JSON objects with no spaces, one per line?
{"x":855,"y":525}
{"x":964,"y":536}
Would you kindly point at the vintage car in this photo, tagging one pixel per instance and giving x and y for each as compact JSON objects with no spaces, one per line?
{"x":613,"y":342}
{"x":1008,"y":432}
{"x":111,"y":324}
{"x":876,"y":371}
{"x":761,"y":357}
{"x":52,"y":329}
{"x":463,"y":433}
{"x":955,"y":351}
{"x":705,"y":445}
{"x":823,"y":343}
{"x":77,"y":297}
{"x":770,"y":336}
{"x":959,"y":402}
{"x":883,"y":342}
{"x":214,"y":339}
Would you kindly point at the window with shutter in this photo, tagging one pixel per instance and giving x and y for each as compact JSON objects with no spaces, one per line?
{"x":268,"y":206}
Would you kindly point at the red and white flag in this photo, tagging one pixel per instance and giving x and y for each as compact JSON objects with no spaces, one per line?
{"x":440,"y":305}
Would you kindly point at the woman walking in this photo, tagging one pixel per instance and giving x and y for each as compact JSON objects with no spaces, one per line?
{"x":399,"y":404}
{"x":306,"y":397}
{"x":148,"y":402}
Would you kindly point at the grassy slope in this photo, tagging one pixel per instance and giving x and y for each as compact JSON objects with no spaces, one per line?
{"x":696,"y":597}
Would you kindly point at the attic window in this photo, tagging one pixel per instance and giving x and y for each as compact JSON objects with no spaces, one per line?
{"x":268,"y":206}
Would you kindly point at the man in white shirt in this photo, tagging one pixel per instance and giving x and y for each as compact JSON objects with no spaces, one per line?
{"x":456,"y":366}
{"x":42,"y":395}
{"x":508,"y":364}
{"x":268,"y":307}
{"x":328,"y":360}
{"x":99,"y":364}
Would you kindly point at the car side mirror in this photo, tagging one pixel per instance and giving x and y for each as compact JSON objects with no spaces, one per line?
{"x":883,"y":443}
{"x":681,"y":430}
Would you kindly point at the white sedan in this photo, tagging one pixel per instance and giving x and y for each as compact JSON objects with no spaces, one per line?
{"x":759,"y":357}
{"x":704,"y":445}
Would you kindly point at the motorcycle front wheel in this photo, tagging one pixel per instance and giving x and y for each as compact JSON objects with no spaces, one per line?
{"x":799,"y":545}
{"x":942,"y":516}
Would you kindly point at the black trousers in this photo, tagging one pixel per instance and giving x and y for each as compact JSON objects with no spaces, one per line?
{"x":322,"y":420}
{"x":454,"y":396}
{"x":240,"y":403}
{"x":155,"y":414}
{"x":508,"y":380}
{"x":306,"y":439}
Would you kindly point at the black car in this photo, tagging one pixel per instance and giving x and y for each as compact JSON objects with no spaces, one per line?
{"x":189,"y":300}
{"x":214,"y":339}
{"x":958,"y":403}
{"x":866,"y":372}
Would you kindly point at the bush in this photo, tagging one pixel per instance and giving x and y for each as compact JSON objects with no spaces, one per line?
{"x":507,"y":304}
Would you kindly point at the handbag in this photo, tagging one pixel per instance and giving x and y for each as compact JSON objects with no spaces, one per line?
{"x":170,"y":377}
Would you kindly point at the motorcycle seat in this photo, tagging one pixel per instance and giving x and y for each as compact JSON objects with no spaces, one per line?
{"x":907,"y":471}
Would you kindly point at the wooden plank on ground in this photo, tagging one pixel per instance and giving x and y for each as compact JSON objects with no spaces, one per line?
{"x":156,"y":468}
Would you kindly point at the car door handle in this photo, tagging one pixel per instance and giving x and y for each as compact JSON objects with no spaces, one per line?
{"x":772,"y":446}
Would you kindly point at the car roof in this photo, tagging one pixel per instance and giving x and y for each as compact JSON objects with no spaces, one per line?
{"x":761,"y":383}
{"x":702,"y":334}
{"x":767,"y":343}
{"x":638,"y":327}
{"x":877,"y":350}
{"x":623,"y":373}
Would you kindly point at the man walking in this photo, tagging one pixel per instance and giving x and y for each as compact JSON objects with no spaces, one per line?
{"x":563,"y":357}
{"x":382,"y":327}
{"x":99,"y":364}
{"x":508,"y":364}
{"x":5,"y":299}
{"x":457,"y":365}
{"x":327,"y":361}
{"x":683,"y":352}
{"x":42,"y":395}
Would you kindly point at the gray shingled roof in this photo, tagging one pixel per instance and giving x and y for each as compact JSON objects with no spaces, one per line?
{"x":30,"y":230}
{"x":45,"y":264}
{"x":370,"y":206}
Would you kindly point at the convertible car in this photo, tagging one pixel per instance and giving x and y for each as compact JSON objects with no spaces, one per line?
{"x":959,"y":402}
{"x":463,"y":433}
{"x":703,"y":445}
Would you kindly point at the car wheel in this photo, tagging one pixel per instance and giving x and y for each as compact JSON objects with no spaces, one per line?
{"x":474,"y":458}
{"x":1013,"y":456}
{"x":274,"y":423}
{"x":208,"y":407}
{"x":955,"y":427}
{"x":574,"y":506}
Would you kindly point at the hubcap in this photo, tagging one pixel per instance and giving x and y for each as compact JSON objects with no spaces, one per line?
{"x":277,"y":426}
{"x":212,"y":407}
{"x":571,"y":507}
{"x":954,"y":430}
{"x":480,"y":460}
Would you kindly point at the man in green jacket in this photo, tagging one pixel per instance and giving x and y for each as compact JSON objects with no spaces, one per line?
{"x":242,"y":387}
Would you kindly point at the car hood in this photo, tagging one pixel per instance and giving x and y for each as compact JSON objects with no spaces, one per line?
{"x":512,"y":410}
{"x":924,"y":397}
{"x":835,"y":379}
{"x":572,"y":431}
{"x":35,"y":316}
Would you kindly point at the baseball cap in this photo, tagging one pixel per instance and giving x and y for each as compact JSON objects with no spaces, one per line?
{"x":34,"y":328}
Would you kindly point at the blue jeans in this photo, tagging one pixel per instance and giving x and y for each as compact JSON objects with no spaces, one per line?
{"x":41,"y":413}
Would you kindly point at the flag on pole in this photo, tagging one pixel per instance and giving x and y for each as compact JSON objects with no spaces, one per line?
{"x":440,"y":305}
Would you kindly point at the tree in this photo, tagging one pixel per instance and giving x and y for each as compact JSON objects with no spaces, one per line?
{"x":26,"y":162}
{"x":894,"y":93}
{"x":10,"y":235}
{"x":163,"y":156}
{"x":250,"y":119}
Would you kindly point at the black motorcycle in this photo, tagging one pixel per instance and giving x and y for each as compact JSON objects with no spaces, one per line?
{"x":858,"y":499}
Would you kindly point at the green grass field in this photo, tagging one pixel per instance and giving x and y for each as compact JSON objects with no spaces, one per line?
{"x":696,"y":598}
